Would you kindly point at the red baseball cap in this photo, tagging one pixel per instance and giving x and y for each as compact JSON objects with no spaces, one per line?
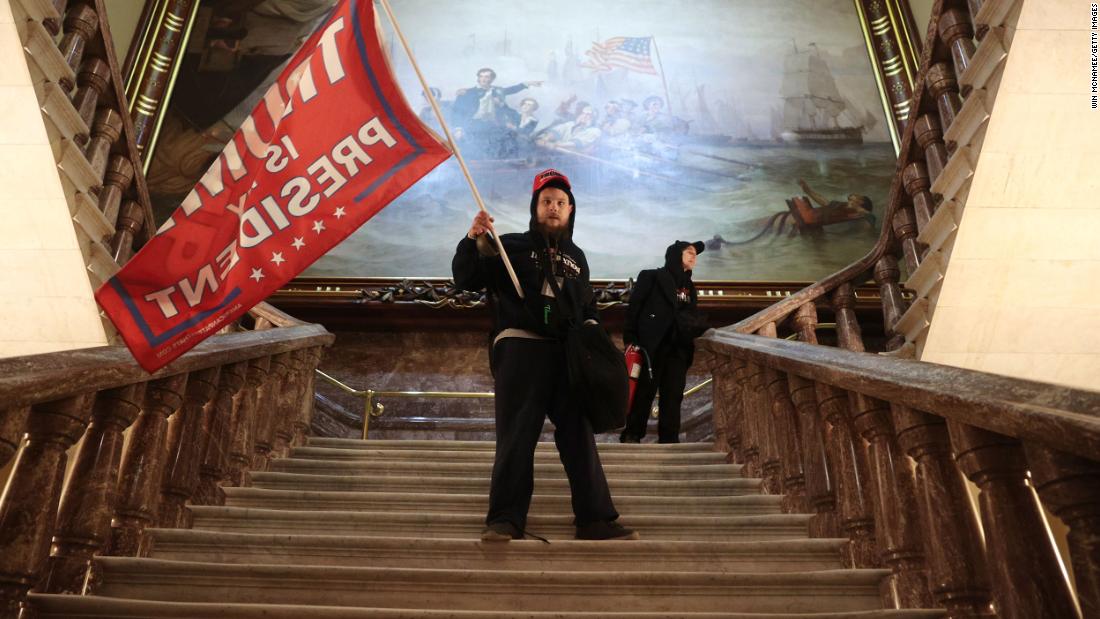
{"x":548,"y":175}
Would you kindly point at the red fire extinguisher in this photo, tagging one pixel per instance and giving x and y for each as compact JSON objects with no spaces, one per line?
{"x":633,"y":356}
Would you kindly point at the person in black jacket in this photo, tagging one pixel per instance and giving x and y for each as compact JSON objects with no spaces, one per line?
{"x":662,"y":319}
{"x":528,"y":361}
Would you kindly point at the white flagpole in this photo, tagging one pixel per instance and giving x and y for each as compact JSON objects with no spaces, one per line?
{"x":661,"y":66}
{"x":454,"y":146}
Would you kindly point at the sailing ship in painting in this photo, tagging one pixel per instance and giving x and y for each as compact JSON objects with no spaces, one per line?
{"x":814,"y":111}
{"x":623,"y":129}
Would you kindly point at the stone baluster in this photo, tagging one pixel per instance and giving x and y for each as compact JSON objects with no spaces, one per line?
{"x":770,"y":432}
{"x":188,"y":434}
{"x":758,"y":411}
{"x":1025,"y":570}
{"x":784,"y":421}
{"x":720,"y":405}
{"x":852,"y":484}
{"x":84,"y":518}
{"x":958,"y":575}
{"x":92,"y":81}
{"x":51,"y":24}
{"x":917,"y":186}
{"x":750,"y":434}
{"x":13,"y":425}
{"x":1070,"y":487}
{"x":957,"y":31}
{"x":143,"y":466}
{"x":930,"y":138}
{"x":116,"y":180}
{"x":905,"y":229}
{"x":849,"y":335}
{"x":886,"y":276}
{"x":215,"y":461}
{"x":897,"y":515}
{"x":305,"y":405}
{"x":804,"y":321}
{"x":945,"y":88}
{"x":721,"y":374}
{"x":731,"y":386}
{"x":815,"y":460}
{"x":130,"y":220}
{"x":105,"y":130}
{"x":267,"y":415}
{"x":28,"y":507}
{"x":81,"y":23}
{"x":243,"y":424}
{"x":897,"y":524}
{"x":288,"y":401}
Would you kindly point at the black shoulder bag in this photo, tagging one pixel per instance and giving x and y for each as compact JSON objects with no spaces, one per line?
{"x":597,"y":373}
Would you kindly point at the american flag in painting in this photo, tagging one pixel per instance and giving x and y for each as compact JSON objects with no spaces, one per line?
{"x":630,"y":53}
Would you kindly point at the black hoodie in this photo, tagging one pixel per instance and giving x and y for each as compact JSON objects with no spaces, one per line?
{"x":674,"y":264}
{"x":658,"y":298}
{"x":537,"y":313}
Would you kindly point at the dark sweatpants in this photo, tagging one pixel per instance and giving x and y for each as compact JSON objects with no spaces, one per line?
{"x":531,"y":382}
{"x":670,"y":366}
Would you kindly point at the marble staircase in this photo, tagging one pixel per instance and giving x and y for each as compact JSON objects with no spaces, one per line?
{"x":348,"y":529}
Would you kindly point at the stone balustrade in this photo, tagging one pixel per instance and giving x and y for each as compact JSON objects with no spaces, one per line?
{"x":884,"y":449}
{"x":184,"y":423}
{"x":73,"y":65}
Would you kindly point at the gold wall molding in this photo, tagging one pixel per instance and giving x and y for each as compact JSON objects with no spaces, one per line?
{"x":893,"y":49}
{"x":155,"y":65}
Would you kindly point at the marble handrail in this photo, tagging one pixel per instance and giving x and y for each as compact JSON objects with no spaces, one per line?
{"x":47,"y":377}
{"x":1063,"y":418}
{"x":228,"y":406}
{"x":880,"y":448}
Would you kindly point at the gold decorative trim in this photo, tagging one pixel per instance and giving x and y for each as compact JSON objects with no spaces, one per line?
{"x":133,"y":80}
{"x":905,"y":41}
{"x":184,"y":42}
{"x":895,"y":138}
{"x":160,"y":62}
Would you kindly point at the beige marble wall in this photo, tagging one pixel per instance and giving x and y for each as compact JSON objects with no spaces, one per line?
{"x":123,"y":17}
{"x":46,"y":301}
{"x":1020,"y":294}
{"x":922,"y":12}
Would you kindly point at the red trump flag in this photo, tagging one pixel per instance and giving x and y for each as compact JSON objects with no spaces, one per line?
{"x":330,"y":144}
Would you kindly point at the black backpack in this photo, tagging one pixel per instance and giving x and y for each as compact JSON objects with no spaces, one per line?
{"x":597,"y":372}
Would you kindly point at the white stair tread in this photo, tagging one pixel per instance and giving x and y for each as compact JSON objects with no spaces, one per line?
{"x":828,"y":590}
{"x":91,"y":607}
{"x":772,"y":555}
{"x":480,"y":483}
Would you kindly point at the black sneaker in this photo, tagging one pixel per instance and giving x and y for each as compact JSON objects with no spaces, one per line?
{"x":501,"y":532}
{"x":626,"y":438}
{"x":605,"y":529}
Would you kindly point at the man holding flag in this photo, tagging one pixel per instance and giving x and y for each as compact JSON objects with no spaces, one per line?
{"x":331,"y":143}
{"x":528,"y":361}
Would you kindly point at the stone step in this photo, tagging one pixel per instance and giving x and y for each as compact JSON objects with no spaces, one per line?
{"x":414,"y":501}
{"x":479,"y":484}
{"x":475,"y":469}
{"x":469,"y":526}
{"x":609,"y":457}
{"x":821,"y":591}
{"x":562,"y":555}
{"x":88,"y":607}
{"x":398,"y":444}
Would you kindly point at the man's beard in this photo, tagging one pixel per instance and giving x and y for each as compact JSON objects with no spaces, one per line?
{"x":556,"y":232}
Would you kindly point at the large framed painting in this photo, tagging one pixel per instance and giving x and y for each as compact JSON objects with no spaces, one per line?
{"x":757,"y":126}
